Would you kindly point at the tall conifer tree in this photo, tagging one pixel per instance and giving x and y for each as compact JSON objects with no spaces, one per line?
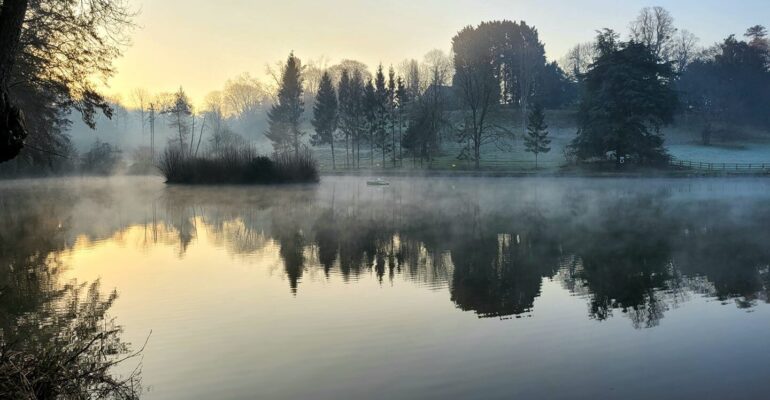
{"x":285,"y":116}
{"x":325,"y":115}
{"x":536,"y":140}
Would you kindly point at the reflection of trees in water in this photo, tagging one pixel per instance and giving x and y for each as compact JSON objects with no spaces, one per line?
{"x":288,"y":232}
{"x":730,"y":251}
{"x":491,"y":278}
{"x":625,"y":259}
{"x":32,"y":233}
{"x":629,"y":251}
{"x":237,"y":218}
{"x":65,"y":348}
{"x":624,"y":250}
{"x":56,"y":339}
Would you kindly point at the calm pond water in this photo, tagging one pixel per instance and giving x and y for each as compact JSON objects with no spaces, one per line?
{"x":428,"y":288}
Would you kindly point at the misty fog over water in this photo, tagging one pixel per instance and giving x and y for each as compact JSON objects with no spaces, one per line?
{"x":427,"y":288}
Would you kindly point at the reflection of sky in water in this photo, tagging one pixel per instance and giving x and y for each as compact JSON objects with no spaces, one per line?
{"x":347,"y":291}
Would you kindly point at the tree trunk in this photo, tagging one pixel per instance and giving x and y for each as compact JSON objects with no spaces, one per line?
{"x":179,"y":131}
{"x":13,"y":129}
{"x":334,"y":165}
{"x":393,"y":139}
{"x":200,"y":136}
{"x":400,"y":139}
{"x":152,"y":132}
{"x":296,"y":143}
{"x":192,"y":134}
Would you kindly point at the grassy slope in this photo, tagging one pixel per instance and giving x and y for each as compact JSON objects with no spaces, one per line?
{"x":682,"y":141}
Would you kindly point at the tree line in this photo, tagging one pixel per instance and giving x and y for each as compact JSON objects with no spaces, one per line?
{"x":495,"y":65}
{"x":497,"y":82}
{"x":494,"y":87}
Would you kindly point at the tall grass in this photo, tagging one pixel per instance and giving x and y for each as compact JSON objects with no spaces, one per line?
{"x":237,"y":165}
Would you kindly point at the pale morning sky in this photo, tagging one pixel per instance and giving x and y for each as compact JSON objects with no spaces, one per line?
{"x":199,"y":44}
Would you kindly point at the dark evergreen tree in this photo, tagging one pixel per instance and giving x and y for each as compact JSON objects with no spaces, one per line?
{"x":369,"y":109}
{"x":628,"y":97}
{"x":285,"y":116}
{"x":536,"y":140}
{"x":757,"y":36}
{"x":357,"y":113}
{"x":732,"y":86}
{"x":418,"y":132}
{"x":553,"y":89}
{"x":381,"y":101}
{"x":392,"y":108}
{"x":325,"y":115}
{"x":343,"y":93}
{"x":402,"y":100}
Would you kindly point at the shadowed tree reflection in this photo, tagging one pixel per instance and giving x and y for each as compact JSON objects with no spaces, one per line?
{"x":637,"y":252}
{"x":625,"y":250}
{"x":624,"y":259}
{"x":290,"y":237}
{"x":327,"y":240}
{"x":490,"y":280}
{"x":56,"y":339}
{"x":730,"y":251}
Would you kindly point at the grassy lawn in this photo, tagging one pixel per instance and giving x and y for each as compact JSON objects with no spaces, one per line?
{"x":744,"y":153}
{"x":681,"y":142}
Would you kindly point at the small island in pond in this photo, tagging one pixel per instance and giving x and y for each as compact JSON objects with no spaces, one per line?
{"x":238,"y":166}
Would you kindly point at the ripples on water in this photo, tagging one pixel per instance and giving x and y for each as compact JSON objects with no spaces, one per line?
{"x":575,"y":288}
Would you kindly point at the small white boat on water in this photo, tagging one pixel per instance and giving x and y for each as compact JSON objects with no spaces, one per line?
{"x":378,"y":182}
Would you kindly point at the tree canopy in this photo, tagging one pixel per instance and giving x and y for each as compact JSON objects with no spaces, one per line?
{"x":325,"y":114}
{"x":628,"y":96}
{"x":732,"y":84}
{"x":536,"y":140}
{"x":284,"y":117}
{"x":65,"y":47}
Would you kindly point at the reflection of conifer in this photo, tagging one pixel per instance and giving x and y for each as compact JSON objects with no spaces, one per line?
{"x":326,"y":236}
{"x":292,"y":253}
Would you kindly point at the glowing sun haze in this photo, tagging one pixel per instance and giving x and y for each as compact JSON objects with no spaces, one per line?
{"x":199,"y":44}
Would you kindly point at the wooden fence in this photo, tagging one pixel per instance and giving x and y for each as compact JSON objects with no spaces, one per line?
{"x":725,"y":167}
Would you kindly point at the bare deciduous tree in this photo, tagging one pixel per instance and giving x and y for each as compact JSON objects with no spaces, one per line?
{"x":312,"y":72}
{"x":410,"y":71}
{"x":577,"y":60}
{"x":654,"y":27}
{"x":438,"y":66}
{"x":243,"y":95}
{"x":140,"y":98}
{"x":684,"y":49}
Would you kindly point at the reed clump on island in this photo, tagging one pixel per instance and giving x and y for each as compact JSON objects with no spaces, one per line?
{"x":242,"y":165}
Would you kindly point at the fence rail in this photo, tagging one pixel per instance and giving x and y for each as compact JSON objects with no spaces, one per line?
{"x":496,"y":163}
{"x":726,"y":167}
{"x":449,"y":165}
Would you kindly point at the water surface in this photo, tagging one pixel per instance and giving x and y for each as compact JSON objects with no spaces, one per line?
{"x":429,"y":288}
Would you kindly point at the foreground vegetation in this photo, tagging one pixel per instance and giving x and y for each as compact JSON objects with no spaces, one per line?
{"x":59,"y":338}
{"x":66,"y":349}
{"x":238,"y":165}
